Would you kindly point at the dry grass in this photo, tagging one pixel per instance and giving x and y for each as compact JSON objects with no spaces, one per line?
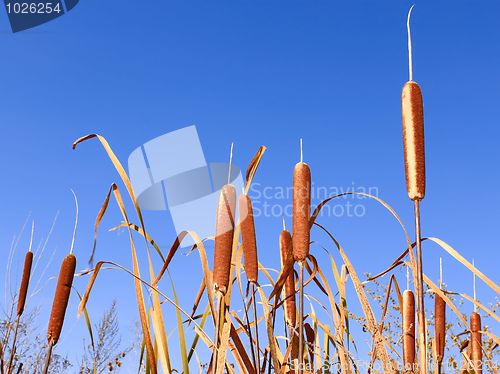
{"x":231,"y":331}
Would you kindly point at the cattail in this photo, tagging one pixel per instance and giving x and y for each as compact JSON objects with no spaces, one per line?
{"x":301,"y":210}
{"x":439,"y":327}
{"x":413,"y":130}
{"x":248,"y":238}
{"x":286,"y":257}
{"x":61,"y":298}
{"x":224,"y":237}
{"x":476,"y":353}
{"x":413,"y":138}
{"x":25,"y":280}
{"x":408,"y":329}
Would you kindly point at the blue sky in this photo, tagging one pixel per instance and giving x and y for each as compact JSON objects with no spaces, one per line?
{"x":252,"y":73}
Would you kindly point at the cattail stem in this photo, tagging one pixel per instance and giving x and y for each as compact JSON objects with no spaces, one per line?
{"x":301,"y":316}
{"x":249,"y":328}
{"x":218,"y":323}
{"x":257,"y":345}
{"x":219,"y":297}
{"x":47,"y":358}
{"x":419,"y":287}
{"x":14,"y":340}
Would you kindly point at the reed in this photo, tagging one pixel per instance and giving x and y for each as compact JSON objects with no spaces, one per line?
{"x":414,"y":156}
{"x":439,"y":322}
{"x":413,"y":139}
{"x":21,"y":300}
{"x":301,"y":209}
{"x":224,"y":237}
{"x":476,"y":352}
{"x":61,"y":298}
{"x":223,"y":250}
{"x":25,"y":280}
{"x":289,"y":286}
{"x":249,"y":243}
{"x":408,"y":316}
{"x":439,"y":329}
{"x":248,"y":239}
{"x":62,"y":293}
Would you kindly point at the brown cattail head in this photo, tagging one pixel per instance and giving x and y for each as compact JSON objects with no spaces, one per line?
{"x":224,"y":232}
{"x":248,"y":240}
{"x":23,"y":289}
{"x":476,"y":353}
{"x":300,"y":210}
{"x":286,"y":253}
{"x":413,"y":138}
{"x":439,"y":327}
{"x":408,"y":329}
{"x":61,"y":298}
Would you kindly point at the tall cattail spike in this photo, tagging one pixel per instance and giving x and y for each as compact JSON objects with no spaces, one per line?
{"x":476,"y":355}
{"x":224,"y":237}
{"x":25,"y":280}
{"x":413,"y":140}
{"x":248,"y":238}
{"x":408,"y":329}
{"x":439,"y":327}
{"x":61,"y":298}
{"x":301,"y":209}
{"x":286,"y":254}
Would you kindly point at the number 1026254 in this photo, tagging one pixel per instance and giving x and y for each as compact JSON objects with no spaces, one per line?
{"x":15,"y":7}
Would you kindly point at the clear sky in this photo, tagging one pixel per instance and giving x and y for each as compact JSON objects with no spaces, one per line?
{"x":252,"y":72}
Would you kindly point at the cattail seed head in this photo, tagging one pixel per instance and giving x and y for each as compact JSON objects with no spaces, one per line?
{"x":301,"y":210}
{"x":25,"y":280}
{"x":413,"y":139}
{"x":439,"y":327}
{"x":476,"y":353}
{"x":408,"y":328}
{"x":61,"y":298}
{"x":224,"y":232}
{"x":248,"y":239}
{"x":286,"y":253}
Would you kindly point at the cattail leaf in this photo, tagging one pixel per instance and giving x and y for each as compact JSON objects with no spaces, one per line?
{"x":275,"y":353}
{"x":150,"y":240}
{"x":253,"y":166}
{"x":87,"y":321}
{"x":196,"y":339}
{"x":241,"y":351}
{"x":180,"y":331}
{"x":448,"y":248}
{"x":159,"y":326}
